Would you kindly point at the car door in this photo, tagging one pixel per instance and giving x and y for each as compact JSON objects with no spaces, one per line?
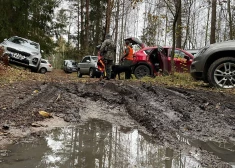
{"x":158,"y":59}
{"x":83,"y":65}
{"x":164,"y":65}
{"x":182,"y":60}
{"x":87,"y":65}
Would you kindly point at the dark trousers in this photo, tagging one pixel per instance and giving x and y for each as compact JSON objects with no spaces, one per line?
{"x":108,"y":67}
{"x":127,"y":63}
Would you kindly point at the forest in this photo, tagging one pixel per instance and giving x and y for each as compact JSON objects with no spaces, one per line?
{"x":71,"y":29}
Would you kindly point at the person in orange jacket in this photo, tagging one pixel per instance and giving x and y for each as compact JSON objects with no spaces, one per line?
{"x":127,"y":59}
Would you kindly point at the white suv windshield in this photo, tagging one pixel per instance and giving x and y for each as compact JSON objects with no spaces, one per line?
{"x":94,"y":58}
{"x":24,"y":42}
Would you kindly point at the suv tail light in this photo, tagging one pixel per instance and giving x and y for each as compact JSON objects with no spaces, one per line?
{"x":49,"y":65}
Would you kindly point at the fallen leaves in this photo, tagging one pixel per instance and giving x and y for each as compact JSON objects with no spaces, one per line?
{"x":35,"y":91}
{"x":45,"y":114}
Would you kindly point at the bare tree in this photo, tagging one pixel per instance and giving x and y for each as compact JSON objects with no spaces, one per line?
{"x":179,"y":27}
{"x":213,"y":22}
{"x":87,"y":28}
{"x":116,"y":24}
{"x":174,"y":7}
{"x":188,"y":8}
{"x":230,"y":21}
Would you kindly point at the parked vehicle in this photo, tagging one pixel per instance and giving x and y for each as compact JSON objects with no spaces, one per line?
{"x":215,"y":64}
{"x":23,"y":52}
{"x":45,"y":66}
{"x":70,"y":66}
{"x":88,"y":66}
{"x":148,"y":60}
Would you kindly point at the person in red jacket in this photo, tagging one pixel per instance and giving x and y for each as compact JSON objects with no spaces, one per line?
{"x":127,"y":59}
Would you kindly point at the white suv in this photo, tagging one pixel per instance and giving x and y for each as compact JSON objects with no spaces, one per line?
{"x":45,"y":66}
{"x":23,"y":52}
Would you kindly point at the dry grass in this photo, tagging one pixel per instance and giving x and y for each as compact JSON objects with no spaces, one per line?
{"x":14,"y":74}
{"x":182,"y":80}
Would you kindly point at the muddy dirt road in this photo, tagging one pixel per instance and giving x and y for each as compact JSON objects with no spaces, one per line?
{"x":165,"y":113}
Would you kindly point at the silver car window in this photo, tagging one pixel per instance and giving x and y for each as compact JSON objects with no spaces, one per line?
{"x":94,"y":58}
{"x":85,"y":59}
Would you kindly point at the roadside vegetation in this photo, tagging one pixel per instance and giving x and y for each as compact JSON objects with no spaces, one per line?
{"x":181,"y":80}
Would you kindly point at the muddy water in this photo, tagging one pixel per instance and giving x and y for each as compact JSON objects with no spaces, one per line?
{"x":99,"y":144}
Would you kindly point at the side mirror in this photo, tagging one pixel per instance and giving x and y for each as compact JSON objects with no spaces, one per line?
{"x":88,"y":61}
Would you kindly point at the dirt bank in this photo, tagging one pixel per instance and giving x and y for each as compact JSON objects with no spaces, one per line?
{"x":166,"y":112}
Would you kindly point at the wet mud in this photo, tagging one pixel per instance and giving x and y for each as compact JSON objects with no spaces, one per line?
{"x":163,"y":112}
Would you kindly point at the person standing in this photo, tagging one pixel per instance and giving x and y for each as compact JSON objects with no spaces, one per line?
{"x":127,"y":59}
{"x":108,"y":50}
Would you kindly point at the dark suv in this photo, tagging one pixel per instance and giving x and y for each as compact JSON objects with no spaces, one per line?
{"x":215,"y":64}
{"x":22,"y":52}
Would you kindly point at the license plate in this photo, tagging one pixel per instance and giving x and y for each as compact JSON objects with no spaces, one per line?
{"x":16,"y":55}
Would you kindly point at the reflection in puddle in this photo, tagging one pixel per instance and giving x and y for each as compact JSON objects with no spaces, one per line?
{"x":225,"y":151}
{"x":97,"y":144}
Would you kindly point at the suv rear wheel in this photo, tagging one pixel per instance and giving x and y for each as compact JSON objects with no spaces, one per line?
{"x":79,"y":73}
{"x":91,"y":73}
{"x":222,"y":73}
{"x":141,"y":71}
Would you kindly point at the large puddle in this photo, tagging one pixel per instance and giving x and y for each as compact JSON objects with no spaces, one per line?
{"x":99,"y":144}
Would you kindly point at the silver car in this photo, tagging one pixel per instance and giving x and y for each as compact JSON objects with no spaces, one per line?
{"x":215,"y":64}
{"x":88,"y":66}
{"x":70,"y":66}
{"x":23,"y":52}
{"x":45,"y":66}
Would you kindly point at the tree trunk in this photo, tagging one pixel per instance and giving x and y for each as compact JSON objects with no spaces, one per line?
{"x":207,"y":24}
{"x":188,"y":23}
{"x":98,"y":23}
{"x":213,"y":22}
{"x":87,"y":28}
{"x":108,"y":17}
{"x":122,"y":31}
{"x":230,"y":22}
{"x":116,"y":25}
{"x":173,"y":44}
{"x":78,"y":27}
{"x":179,"y":28}
{"x":82,"y":25}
